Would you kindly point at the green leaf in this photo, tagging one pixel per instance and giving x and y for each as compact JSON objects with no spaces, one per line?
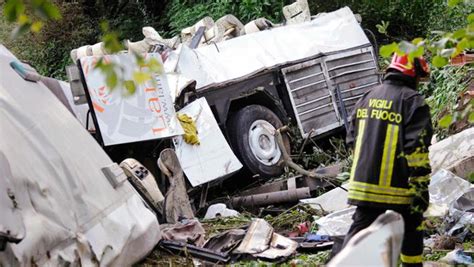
{"x":439,"y":61}
{"x":452,"y":3}
{"x":416,"y":41}
{"x":471,"y":177}
{"x":13,"y":9}
{"x":418,"y":52}
{"x":111,"y":80}
{"x":445,"y":121}
{"x":462,"y":45}
{"x":470,"y":18}
{"x":51,"y":10}
{"x":130,"y":86}
{"x":140,"y":77}
{"x":45,"y":9}
{"x":155,"y":66}
{"x":36,"y":26}
{"x":388,"y":50}
{"x":459,"y":34}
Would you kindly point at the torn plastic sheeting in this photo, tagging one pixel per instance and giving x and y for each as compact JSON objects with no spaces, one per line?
{"x":377,"y":245}
{"x":465,"y":202}
{"x":445,"y":188}
{"x":336,"y":223}
{"x":213,"y":158}
{"x":333,"y":200}
{"x":71,"y":212}
{"x":462,"y":213}
{"x":257,"y":239}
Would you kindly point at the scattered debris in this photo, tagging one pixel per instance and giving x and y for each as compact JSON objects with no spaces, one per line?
{"x":225,"y":242}
{"x":260,"y":241}
{"x":336,"y":223}
{"x":220,"y":210}
{"x":457,"y":256}
{"x":445,"y":188}
{"x":187,"y":231}
{"x":444,"y":242}
{"x":334,"y":200}
{"x":184,"y":249}
{"x":221,"y":224}
{"x":257,"y":239}
{"x":291,"y":195}
{"x":280,"y":248}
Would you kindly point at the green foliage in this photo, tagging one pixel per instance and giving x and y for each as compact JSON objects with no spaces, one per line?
{"x":29,"y":15}
{"x":446,"y":85}
{"x":182,"y":13}
{"x":443,"y":45}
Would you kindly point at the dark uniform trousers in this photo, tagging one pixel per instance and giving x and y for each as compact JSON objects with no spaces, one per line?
{"x":412,"y":246}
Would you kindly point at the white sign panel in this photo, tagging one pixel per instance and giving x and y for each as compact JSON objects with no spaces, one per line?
{"x":213,"y":158}
{"x":145,"y":115}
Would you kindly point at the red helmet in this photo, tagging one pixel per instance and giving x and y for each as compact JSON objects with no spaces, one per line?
{"x":419,"y":68}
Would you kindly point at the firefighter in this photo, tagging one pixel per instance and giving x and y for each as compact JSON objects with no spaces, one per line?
{"x":391,"y":128}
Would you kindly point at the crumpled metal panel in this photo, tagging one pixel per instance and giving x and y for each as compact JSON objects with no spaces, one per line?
{"x":71,"y":212}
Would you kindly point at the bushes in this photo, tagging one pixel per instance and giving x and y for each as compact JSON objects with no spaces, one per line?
{"x":181,"y":13}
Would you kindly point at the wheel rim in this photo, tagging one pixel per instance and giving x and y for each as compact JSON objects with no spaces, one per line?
{"x":263,"y":143}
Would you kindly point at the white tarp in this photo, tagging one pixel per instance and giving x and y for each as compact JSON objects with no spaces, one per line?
{"x":245,"y":55}
{"x":213,"y":158}
{"x":147,"y":114}
{"x":70,"y":211}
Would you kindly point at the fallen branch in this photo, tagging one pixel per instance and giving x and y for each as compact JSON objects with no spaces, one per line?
{"x":288,"y":161}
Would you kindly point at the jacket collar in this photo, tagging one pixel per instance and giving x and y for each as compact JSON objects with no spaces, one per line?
{"x":398,"y":78}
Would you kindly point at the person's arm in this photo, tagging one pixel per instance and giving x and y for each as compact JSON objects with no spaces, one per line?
{"x":417,"y":139}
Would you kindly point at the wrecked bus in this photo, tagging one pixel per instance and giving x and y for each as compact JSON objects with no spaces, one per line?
{"x":308,"y":74}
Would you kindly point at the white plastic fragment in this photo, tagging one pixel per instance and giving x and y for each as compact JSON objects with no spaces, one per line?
{"x":336,"y":223}
{"x":333,"y":200}
{"x":220,"y":210}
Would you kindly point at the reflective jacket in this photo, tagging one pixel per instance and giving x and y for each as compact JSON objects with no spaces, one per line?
{"x":391,"y":128}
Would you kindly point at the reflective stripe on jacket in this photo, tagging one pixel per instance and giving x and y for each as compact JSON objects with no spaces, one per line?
{"x":391,"y":128}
